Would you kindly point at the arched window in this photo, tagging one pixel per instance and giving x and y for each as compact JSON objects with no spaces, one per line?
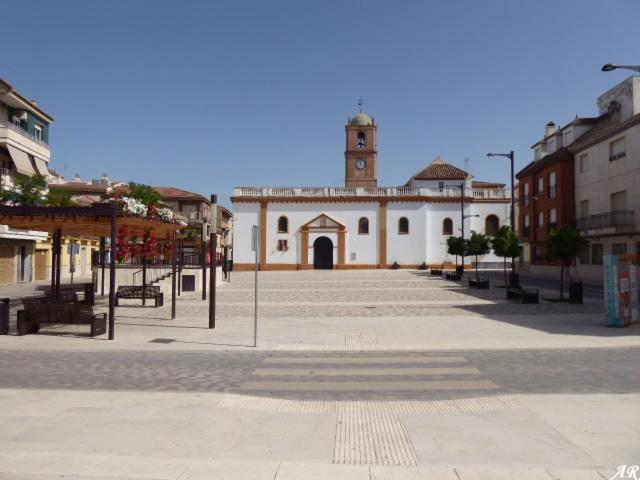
{"x":403,"y":225}
{"x":362,"y":140}
{"x":447,"y":226}
{"x":283,"y":225}
{"x":491,"y":225}
{"x":363,"y":226}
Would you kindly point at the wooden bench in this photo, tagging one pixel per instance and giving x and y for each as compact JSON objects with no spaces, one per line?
{"x":530,"y":295}
{"x":136,"y":292}
{"x":37,"y":313}
{"x":452,"y":276}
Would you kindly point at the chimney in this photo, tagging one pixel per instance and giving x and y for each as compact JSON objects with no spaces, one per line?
{"x":77,"y":179}
{"x":549,"y":129}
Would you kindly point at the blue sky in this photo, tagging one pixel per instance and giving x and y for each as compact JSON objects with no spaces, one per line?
{"x":208,"y":95}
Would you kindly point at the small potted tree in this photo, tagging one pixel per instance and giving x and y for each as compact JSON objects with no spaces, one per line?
{"x":565,"y":244}
{"x":475,"y":246}
{"x":455,"y":246}
{"x":505,"y":244}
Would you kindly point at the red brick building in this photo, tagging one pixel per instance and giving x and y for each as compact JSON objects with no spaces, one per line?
{"x":546,"y":188}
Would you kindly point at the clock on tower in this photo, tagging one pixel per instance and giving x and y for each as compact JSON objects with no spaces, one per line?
{"x":361,"y":154}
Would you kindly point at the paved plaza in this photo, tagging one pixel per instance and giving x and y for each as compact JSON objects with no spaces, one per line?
{"x":357,"y":375}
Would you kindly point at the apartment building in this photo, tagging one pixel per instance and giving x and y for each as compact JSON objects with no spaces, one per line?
{"x":546,"y":189}
{"x":607,"y":178}
{"x":24,"y":150}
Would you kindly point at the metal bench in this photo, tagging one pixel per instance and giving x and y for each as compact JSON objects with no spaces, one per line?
{"x":452,"y":276}
{"x":436,"y":272}
{"x":513,"y":293}
{"x":70,"y":292}
{"x":479,"y":282}
{"x":138,"y":292}
{"x":37,"y":313}
{"x":530,"y":295}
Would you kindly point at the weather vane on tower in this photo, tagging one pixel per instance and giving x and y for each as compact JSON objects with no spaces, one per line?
{"x":360,"y":103}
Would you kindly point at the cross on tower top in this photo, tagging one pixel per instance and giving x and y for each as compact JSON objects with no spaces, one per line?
{"x":360,"y":103}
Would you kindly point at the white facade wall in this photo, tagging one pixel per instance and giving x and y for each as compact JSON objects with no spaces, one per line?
{"x":425,"y":241}
{"x":408,"y":248}
{"x":245,"y":216}
{"x":364,"y":246}
{"x":602,"y":178}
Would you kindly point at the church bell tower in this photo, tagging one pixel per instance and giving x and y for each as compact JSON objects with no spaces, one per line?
{"x":361,"y":154}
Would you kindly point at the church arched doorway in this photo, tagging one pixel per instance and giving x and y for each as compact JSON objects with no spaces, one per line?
{"x":323,"y":253}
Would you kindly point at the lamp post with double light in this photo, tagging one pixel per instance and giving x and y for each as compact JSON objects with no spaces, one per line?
{"x":442,"y":186}
{"x":513,"y":277}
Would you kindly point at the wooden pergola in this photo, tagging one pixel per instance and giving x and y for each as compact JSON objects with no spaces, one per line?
{"x":98,"y":220}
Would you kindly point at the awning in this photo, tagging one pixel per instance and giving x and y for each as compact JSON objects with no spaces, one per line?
{"x":21,"y":161}
{"x":41,"y":166}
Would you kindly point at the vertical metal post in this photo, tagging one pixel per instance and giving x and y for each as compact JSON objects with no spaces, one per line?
{"x":102,"y":262}
{"x":112,"y":273}
{"x":173,"y":276}
{"x":54,"y":251}
{"x":255,"y":295}
{"x":58,"y":261}
{"x":144,"y":270}
{"x":180,"y":260}
{"x":513,"y":220}
{"x":204,"y":268}
{"x":462,"y":218}
{"x":212,"y":280}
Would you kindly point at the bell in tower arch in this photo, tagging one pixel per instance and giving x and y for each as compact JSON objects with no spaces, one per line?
{"x":362,"y":140}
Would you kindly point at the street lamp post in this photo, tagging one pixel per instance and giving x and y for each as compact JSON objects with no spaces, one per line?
{"x":513,"y":278}
{"x":462,"y":215}
{"x":609,"y":67}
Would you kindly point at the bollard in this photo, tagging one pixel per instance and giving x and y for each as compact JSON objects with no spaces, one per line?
{"x":4,"y":316}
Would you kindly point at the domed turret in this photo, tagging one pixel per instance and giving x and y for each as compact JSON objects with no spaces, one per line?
{"x":361,"y":119}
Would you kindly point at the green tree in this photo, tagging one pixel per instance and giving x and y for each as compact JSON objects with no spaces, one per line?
{"x":60,"y":198}
{"x":455,"y":246}
{"x":27,"y":190}
{"x":144,"y":193}
{"x":505,"y":244}
{"x":565,"y":244}
{"x":477,"y":245}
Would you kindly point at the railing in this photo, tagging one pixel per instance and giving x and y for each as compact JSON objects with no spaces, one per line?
{"x":618,"y":218}
{"x":24,"y":133}
{"x":154,"y":273}
{"x":552,"y":191}
{"x":479,"y":193}
{"x":525,"y":232}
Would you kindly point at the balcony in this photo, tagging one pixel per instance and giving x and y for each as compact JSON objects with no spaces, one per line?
{"x":526,"y":231}
{"x":323,"y":192}
{"x":552,"y":192}
{"x":16,"y":136}
{"x":614,"y":221}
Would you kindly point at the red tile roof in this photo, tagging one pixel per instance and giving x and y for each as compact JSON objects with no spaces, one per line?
{"x":169,"y":193}
{"x":440,"y":169}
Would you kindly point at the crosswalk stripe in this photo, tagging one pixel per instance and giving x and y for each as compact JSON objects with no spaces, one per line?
{"x":360,"y":360}
{"x":352,"y":386}
{"x":366,"y":371}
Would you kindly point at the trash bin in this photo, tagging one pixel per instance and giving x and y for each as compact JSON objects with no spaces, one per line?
{"x":575,"y":291}
{"x":4,"y":316}
{"x":514,"y":279}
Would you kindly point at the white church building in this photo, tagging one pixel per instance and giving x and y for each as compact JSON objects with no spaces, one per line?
{"x":362,"y":225}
